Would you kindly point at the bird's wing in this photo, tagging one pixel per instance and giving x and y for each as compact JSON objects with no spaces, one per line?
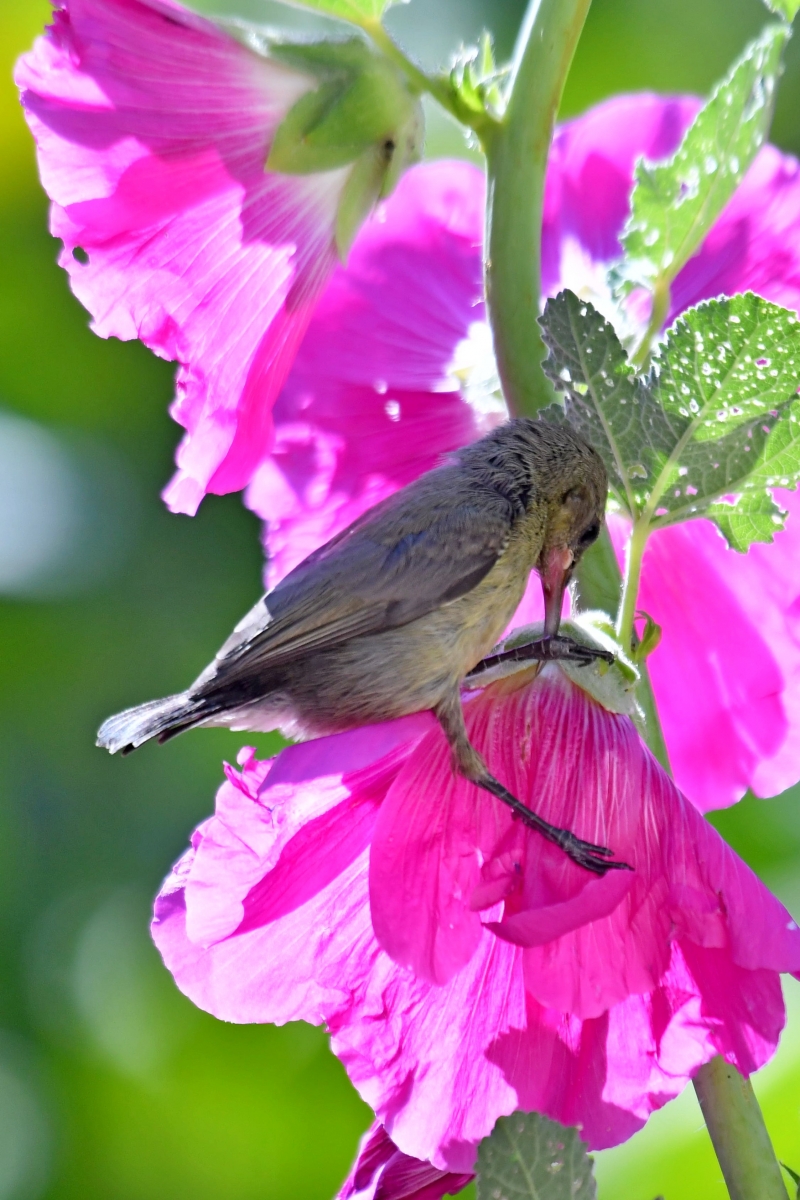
{"x":414,"y":552}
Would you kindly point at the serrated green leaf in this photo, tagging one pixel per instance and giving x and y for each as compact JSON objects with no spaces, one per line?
{"x":529,"y":1157}
{"x":753,"y":518}
{"x":674,"y":204}
{"x":359,"y":12}
{"x":731,"y":369}
{"x":729,"y":362}
{"x":783,"y":8}
{"x":712,"y":428}
{"x":604,"y":399}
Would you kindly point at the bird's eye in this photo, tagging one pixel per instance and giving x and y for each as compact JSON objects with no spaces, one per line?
{"x":590,"y":535}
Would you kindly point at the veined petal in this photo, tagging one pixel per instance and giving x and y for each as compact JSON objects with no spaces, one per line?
{"x":597,"y":1026}
{"x":726,"y":673}
{"x":153,"y":128}
{"x":382,"y":1172}
{"x":371,"y":402}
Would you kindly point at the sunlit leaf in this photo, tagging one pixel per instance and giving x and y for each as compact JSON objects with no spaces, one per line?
{"x":360,"y":12}
{"x":712,"y":428}
{"x":783,"y":8}
{"x":529,"y":1157}
{"x":674,"y":204}
{"x":604,"y":399}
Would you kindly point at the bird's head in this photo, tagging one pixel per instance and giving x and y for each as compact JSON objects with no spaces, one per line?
{"x":573,"y":486}
{"x":556,"y":483}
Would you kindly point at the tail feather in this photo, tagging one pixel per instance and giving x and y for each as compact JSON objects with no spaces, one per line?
{"x":157,"y":718}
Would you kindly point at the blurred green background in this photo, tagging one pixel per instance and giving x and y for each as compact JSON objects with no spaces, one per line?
{"x":112,"y":1087}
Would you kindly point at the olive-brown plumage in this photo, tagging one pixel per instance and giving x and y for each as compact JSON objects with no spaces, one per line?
{"x":389,"y":616}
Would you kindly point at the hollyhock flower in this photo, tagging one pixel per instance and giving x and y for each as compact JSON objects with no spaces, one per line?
{"x":396,"y":369}
{"x":153,"y":128}
{"x":465,"y":967}
{"x":382,"y":1172}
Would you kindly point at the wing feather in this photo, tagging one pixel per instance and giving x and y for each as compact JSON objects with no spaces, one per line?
{"x":423,"y":547}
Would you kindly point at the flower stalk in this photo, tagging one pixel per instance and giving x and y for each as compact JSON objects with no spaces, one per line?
{"x":516,"y":151}
{"x":736,"y":1127}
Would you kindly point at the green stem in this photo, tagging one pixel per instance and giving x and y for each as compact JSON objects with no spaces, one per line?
{"x":516,"y":150}
{"x":600,"y":586}
{"x":630,"y":590}
{"x":737,"y":1130}
{"x":658,"y":315}
{"x":438,"y":88}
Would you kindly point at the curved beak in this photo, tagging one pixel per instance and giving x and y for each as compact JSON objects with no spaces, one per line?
{"x":555,"y":574}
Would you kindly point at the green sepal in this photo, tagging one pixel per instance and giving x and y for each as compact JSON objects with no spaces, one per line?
{"x":476,"y":84}
{"x":675,"y":203}
{"x":361,"y":191}
{"x":649,"y":639}
{"x":362,"y":101}
{"x":612,"y":686}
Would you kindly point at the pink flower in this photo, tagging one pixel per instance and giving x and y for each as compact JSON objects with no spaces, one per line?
{"x":152,"y":128}
{"x":382,"y":1172}
{"x":377,"y":394}
{"x":464,"y":967}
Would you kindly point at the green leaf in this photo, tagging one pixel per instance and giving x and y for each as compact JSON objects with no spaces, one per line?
{"x":674,"y":204}
{"x":359,"y":12}
{"x":605,"y":400}
{"x":783,"y":8}
{"x":529,"y":1157}
{"x":712,"y":428}
{"x":793,"y":1176}
{"x":731,"y":369}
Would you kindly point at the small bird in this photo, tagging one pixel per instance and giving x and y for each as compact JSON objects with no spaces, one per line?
{"x":389,"y":616}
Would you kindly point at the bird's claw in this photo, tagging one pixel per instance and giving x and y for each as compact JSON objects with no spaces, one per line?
{"x":556,"y":648}
{"x":592,"y":857}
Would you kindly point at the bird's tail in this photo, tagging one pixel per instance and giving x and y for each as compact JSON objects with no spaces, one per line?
{"x":157,"y":718}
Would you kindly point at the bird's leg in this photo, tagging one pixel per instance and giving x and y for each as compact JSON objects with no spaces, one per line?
{"x":547,"y":649}
{"x":469,"y":763}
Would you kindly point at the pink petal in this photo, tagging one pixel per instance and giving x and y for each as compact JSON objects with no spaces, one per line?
{"x":152,"y":128}
{"x":590,"y":173}
{"x":754,"y":244}
{"x":370,"y":403}
{"x":282,"y":855}
{"x":727,"y":672}
{"x":598,"y":1026}
{"x":382,"y":1172}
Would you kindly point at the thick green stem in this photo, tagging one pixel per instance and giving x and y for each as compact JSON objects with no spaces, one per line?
{"x":738,"y":1132}
{"x":516,"y":151}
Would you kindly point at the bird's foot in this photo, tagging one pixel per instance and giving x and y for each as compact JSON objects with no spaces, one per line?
{"x":597,"y":859}
{"x":556,"y":648}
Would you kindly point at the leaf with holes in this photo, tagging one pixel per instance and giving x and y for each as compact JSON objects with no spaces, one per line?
{"x":730,"y":368}
{"x":359,"y":12}
{"x":605,"y":400}
{"x":713,"y":427}
{"x":674,"y":204}
{"x":530,"y":1157}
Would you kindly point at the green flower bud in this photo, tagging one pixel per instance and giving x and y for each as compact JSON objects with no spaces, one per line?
{"x":363,"y":112}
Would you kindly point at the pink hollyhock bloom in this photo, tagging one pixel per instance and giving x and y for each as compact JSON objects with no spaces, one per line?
{"x":382,"y":1172}
{"x":378,"y":393}
{"x":152,"y":128}
{"x":465,"y":967}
